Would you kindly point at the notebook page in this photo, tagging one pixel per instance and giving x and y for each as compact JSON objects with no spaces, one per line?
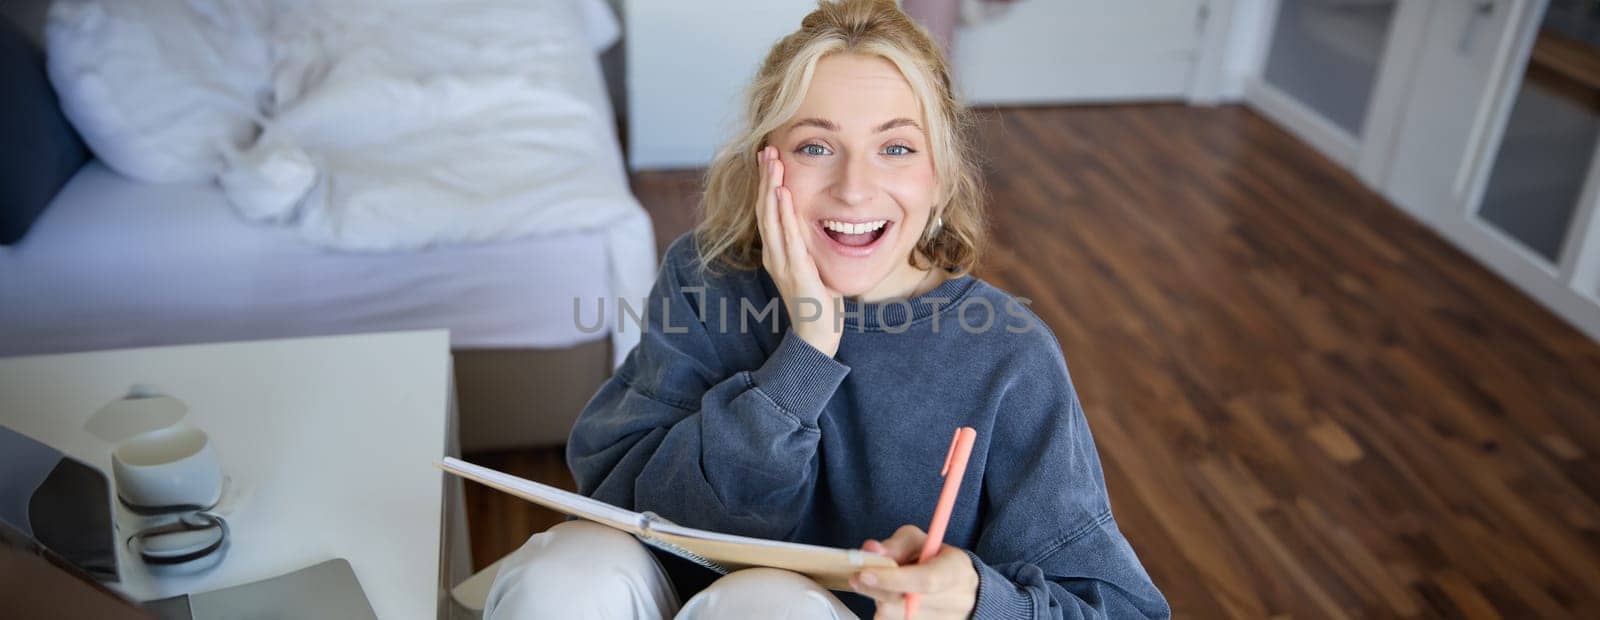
{"x":689,"y":532}
{"x":587,"y":508}
{"x":573,"y":503}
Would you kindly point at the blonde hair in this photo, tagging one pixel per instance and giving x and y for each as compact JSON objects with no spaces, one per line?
{"x":727,"y":234}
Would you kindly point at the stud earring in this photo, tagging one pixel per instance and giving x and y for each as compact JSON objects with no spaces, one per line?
{"x":933,"y":230}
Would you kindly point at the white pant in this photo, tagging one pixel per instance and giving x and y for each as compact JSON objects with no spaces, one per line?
{"x":580,"y":569}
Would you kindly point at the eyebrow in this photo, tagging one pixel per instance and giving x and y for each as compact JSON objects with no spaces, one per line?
{"x":832,"y":126}
{"x":899,"y":122}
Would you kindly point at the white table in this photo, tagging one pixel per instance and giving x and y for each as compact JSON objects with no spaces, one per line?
{"x":329,"y":443}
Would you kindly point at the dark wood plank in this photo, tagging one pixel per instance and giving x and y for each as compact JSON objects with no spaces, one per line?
{"x":1307,"y":404}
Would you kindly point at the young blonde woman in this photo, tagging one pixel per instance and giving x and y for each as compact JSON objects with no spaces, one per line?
{"x":808,"y":352}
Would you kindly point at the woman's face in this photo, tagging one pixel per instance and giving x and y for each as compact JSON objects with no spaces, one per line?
{"x":857,"y":162}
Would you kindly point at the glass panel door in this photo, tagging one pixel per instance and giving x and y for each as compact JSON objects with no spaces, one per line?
{"x":1544,"y":157}
{"x":1325,"y":53}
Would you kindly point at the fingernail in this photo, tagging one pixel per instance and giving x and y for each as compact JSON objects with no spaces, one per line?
{"x":869,"y":579}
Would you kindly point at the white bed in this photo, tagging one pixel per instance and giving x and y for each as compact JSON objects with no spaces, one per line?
{"x":116,"y":263}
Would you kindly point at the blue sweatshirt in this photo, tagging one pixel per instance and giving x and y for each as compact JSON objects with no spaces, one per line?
{"x":722,"y":419}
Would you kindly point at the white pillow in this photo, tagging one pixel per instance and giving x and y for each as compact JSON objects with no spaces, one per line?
{"x":161,"y":89}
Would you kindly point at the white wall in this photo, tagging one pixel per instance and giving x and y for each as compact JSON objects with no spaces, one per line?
{"x":1062,"y":51}
{"x":688,"y":61}
{"x":1248,"y":37}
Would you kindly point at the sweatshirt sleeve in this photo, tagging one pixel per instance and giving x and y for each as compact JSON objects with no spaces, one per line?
{"x":1050,"y":547}
{"x":674,"y":433}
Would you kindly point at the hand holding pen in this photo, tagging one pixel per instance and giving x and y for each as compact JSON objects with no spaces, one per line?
{"x":943,"y":583}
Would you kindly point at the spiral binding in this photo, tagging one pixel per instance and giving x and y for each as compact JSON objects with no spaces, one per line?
{"x":644,"y":524}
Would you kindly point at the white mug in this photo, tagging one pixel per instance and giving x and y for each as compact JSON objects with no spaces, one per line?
{"x":167,"y":468}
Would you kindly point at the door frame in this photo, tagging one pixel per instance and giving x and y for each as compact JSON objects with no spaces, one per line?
{"x":1368,"y":154}
{"x":1571,"y":285}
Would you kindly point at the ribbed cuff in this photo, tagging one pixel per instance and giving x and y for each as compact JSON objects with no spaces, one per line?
{"x":998,"y":597}
{"x":800,"y":378}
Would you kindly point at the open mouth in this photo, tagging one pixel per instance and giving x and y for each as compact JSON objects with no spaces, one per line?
{"x":855,"y":238}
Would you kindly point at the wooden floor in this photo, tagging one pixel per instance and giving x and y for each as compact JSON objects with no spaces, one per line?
{"x":1306,"y":404}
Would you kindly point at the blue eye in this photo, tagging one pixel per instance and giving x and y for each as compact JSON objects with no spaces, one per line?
{"x":813,"y":149}
{"x":897,"y":150}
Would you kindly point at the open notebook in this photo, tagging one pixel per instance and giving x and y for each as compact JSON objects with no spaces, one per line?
{"x":723,"y":553}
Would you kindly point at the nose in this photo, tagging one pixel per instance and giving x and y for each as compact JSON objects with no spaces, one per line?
{"x":853,"y":185}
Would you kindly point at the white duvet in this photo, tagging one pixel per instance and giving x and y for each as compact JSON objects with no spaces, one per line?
{"x":365,"y":124}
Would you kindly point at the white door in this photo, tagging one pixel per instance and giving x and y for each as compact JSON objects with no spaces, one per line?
{"x":1055,"y":51}
{"x":1498,"y":140}
{"x":1336,"y":74}
{"x":1452,"y":93}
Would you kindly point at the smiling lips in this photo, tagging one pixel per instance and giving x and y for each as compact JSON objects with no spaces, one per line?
{"x":855,"y":239}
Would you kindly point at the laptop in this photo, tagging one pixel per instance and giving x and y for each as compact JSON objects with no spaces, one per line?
{"x":57,"y":548}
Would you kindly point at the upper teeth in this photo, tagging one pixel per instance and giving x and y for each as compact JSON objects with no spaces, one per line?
{"x":853,"y":229}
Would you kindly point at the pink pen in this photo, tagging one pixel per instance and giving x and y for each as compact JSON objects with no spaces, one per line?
{"x":955,"y":465}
